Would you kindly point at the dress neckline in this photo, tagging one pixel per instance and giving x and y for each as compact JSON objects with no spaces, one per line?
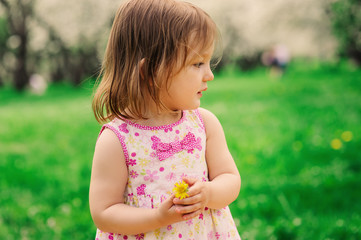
{"x":167,"y":126}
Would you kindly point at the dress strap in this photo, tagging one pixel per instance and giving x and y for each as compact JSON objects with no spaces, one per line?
{"x":117,"y":129}
{"x":200,"y":118}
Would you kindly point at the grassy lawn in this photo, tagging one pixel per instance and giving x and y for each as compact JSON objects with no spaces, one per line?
{"x":296,"y":142}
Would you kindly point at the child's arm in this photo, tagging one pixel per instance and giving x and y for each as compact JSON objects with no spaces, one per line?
{"x":108,"y":183}
{"x":225,"y":182}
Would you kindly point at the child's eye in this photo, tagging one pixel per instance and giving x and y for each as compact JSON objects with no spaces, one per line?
{"x":198,"y":65}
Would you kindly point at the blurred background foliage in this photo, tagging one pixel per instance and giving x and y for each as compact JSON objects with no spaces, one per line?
{"x":346,"y":23}
{"x":65,"y":40}
{"x":295,"y":136}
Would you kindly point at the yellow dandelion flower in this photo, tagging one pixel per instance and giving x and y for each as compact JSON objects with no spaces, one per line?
{"x":180,"y":189}
{"x":347,"y":136}
{"x":336,"y":144}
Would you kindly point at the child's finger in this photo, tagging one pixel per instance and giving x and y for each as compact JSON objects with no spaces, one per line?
{"x":190,"y":181}
{"x":192,"y":215}
{"x":185,"y":209}
{"x":187,"y":201}
{"x":168,"y":203}
{"x":196,"y":188}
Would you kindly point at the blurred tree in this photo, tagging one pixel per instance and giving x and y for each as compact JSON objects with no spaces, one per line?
{"x":73,"y":63}
{"x":230,"y":54}
{"x":84,"y":61}
{"x":76,"y":37}
{"x":346,"y":21}
{"x":4,"y":35}
{"x":56,"y":52}
{"x":17,"y":15}
{"x":250,"y":27}
{"x":31,"y":43}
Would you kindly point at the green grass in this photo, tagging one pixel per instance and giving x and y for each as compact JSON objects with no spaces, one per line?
{"x":295,"y":185}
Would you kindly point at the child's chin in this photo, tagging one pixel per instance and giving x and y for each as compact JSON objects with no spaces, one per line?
{"x":193,"y":107}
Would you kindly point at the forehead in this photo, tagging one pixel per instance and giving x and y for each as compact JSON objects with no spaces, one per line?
{"x":203,"y":52}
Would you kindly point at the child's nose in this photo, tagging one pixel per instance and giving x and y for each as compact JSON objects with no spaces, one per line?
{"x":209,"y":75}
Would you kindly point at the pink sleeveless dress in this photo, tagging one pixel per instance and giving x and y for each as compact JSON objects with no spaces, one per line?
{"x":157,"y":158}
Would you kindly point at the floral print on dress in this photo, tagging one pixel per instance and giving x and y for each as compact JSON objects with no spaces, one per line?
{"x":151,"y":176}
{"x":157,"y":158}
{"x":131,"y":162}
{"x":133,"y":174}
{"x":140,"y":189}
{"x":123,"y":128}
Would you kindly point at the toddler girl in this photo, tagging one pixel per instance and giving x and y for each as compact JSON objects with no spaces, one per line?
{"x":155,"y":70}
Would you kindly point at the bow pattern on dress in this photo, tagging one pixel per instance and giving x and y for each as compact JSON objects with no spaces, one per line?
{"x":165,"y":150}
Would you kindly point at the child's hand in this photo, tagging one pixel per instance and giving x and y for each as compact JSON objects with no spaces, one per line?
{"x":166,"y":212}
{"x":193,"y":205}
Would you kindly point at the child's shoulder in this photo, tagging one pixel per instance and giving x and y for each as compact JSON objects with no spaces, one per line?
{"x":209,"y":119}
{"x":207,"y":115}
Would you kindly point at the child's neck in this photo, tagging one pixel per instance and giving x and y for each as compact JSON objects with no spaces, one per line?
{"x":160,"y":119}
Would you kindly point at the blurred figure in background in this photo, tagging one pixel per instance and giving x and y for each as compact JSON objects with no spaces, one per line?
{"x":37,"y":84}
{"x":277,"y":57}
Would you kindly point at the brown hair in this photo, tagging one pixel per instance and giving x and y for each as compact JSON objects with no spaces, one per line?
{"x":149,"y":41}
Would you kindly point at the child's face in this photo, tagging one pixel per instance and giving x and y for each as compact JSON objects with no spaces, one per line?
{"x":186,"y":87}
